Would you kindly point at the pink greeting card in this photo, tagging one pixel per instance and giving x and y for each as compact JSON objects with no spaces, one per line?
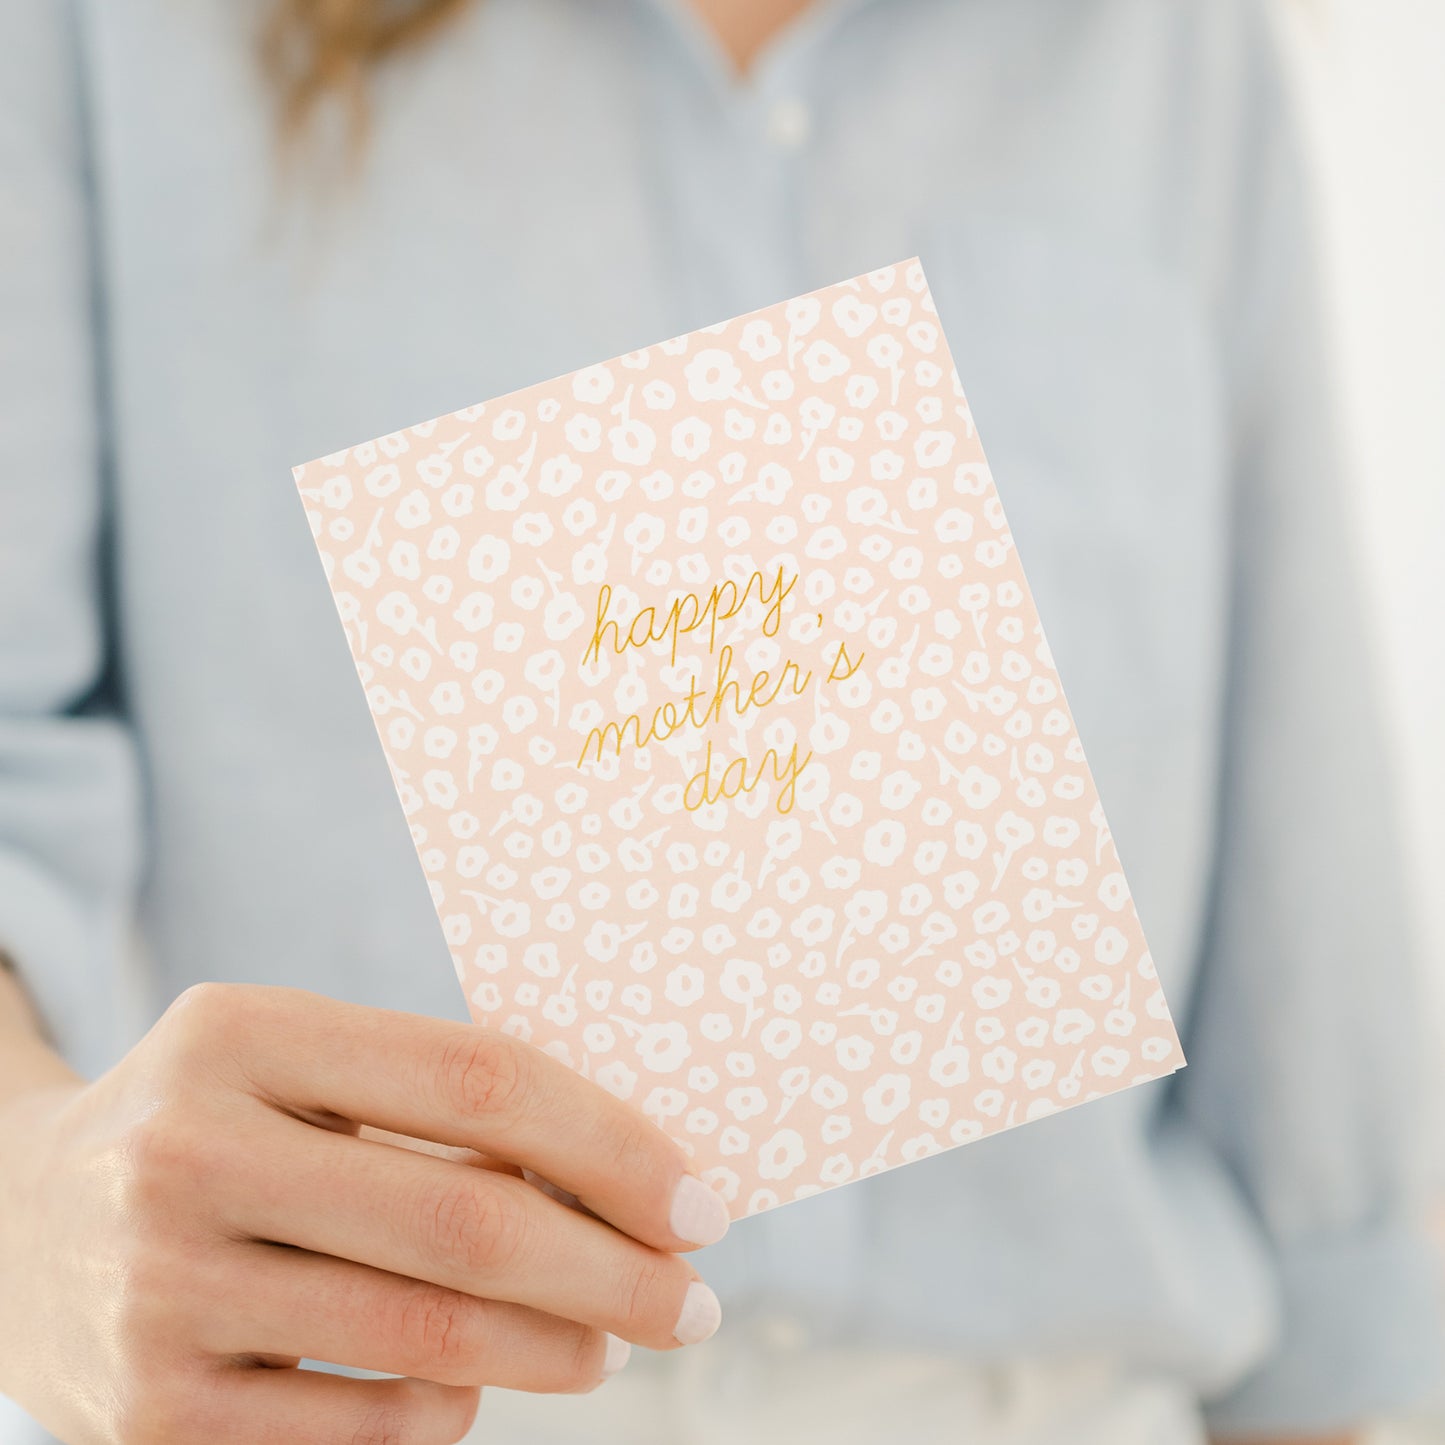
{"x":732,"y":749}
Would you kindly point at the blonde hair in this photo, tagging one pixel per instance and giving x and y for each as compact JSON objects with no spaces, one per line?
{"x":315,"y":51}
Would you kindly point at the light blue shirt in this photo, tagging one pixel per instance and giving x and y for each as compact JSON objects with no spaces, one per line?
{"x":1107,"y":199}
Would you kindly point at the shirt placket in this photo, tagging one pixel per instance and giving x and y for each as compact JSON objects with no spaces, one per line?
{"x":730,"y":158}
{"x":731,"y":191}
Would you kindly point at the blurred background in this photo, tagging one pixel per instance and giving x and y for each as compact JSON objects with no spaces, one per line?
{"x":1372,"y":72}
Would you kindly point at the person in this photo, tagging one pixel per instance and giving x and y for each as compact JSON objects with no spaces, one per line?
{"x":292,"y":1149}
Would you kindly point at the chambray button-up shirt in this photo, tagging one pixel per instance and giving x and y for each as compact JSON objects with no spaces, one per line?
{"x":1107,"y":200}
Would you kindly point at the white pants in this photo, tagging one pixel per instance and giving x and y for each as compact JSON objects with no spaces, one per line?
{"x":756,"y":1384}
{"x":761,"y":1390}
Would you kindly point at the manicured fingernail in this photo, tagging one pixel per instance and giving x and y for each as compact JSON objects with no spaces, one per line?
{"x":700,"y":1317}
{"x":618,"y":1354}
{"x":699,"y":1214}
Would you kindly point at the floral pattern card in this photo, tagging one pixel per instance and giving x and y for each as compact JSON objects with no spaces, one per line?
{"x":732,"y":749}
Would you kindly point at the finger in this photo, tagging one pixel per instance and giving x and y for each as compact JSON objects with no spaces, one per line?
{"x":471,"y":1230}
{"x":311,"y":1306}
{"x":453,"y":1152}
{"x":551,"y":1190}
{"x":476,"y":1088}
{"x":306,"y":1407}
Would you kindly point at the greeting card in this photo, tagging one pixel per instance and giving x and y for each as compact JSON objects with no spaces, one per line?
{"x":732,"y":748}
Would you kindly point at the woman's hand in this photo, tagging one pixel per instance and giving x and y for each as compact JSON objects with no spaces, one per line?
{"x":176,"y":1236}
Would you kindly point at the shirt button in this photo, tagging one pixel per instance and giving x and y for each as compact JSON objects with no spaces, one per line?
{"x":790,"y":122}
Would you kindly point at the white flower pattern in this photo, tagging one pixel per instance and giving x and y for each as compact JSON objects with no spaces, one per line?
{"x":937,"y":941}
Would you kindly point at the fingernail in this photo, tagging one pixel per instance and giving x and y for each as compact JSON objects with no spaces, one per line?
{"x":699,"y":1214}
{"x":700,"y":1317}
{"x":618,"y":1354}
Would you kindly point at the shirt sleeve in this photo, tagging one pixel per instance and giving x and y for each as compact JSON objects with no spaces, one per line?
{"x":1302,"y":1041}
{"x":68,"y":799}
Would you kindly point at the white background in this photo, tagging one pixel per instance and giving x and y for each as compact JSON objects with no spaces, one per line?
{"x":1374,"y":72}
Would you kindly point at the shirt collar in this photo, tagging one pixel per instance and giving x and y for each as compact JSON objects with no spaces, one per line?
{"x":802,"y":35}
